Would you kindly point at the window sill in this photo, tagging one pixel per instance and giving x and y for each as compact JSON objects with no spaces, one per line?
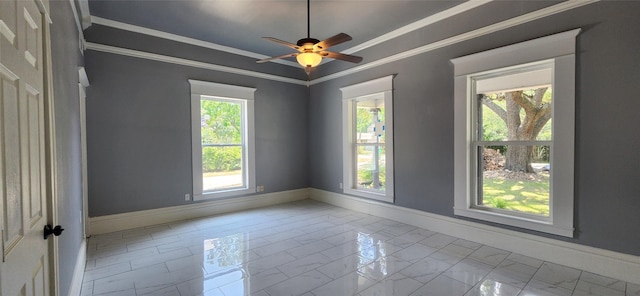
{"x":369,"y":194}
{"x":521,"y":222}
{"x":223,"y":194}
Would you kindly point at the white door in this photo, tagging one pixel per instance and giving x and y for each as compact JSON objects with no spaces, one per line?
{"x":24,"y":269}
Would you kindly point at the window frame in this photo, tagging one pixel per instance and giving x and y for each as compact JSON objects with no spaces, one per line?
{"x":350,"y":96}
{"x":475,"y":142}
{"x":558,"y":51}
{"x":203,"y":90}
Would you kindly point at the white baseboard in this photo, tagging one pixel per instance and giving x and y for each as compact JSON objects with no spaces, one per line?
{"x":78,"y":271}
{"x":599,"y":261}
{"x":117,"y":222}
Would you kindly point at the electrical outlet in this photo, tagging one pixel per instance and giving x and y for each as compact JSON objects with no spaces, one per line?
{"x":340,"y":184}
{"x":260,"y":188}
{"x":187,"y":197}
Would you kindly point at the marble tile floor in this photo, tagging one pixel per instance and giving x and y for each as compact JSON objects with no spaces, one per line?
{"x":310,"y":248}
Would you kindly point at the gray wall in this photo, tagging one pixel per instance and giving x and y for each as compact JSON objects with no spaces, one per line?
{"x":66,"y":58}
{"x":139,"y":132}
{"x":607,"y":198}
{"x":139,"y":135}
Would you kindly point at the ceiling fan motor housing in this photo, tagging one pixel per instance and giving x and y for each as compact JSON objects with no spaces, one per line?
{"x":304,"y":41}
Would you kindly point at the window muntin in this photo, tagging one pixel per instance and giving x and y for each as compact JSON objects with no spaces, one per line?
{"x":368,"y":139}
{"x":223,"y":146}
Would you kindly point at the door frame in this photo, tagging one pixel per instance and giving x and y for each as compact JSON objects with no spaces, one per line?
{"x":50,"y":146}
{"x":83,"y":83}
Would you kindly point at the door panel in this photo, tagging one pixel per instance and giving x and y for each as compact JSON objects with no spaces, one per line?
{"x":8,"y":21}
{"x":12,"y":196}
{"x":36,"y":141}
{"x":24,"y":268}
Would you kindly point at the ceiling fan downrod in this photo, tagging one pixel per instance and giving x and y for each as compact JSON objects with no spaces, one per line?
{"x":311,"y":51}
{"x":308,"y":19}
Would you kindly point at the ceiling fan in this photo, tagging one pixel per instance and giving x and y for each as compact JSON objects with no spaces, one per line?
{"x":311,"y":50}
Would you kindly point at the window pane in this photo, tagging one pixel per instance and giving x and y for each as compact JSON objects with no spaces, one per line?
{"x":370,"y":121}
{"x":371,"y":172}
{"x":222,"y":167}
{"x":221,"y":122}
{"x":520,"y":113}
{"x":502,"y":185}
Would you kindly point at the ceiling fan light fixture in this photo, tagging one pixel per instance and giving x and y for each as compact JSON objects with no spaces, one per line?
{"x":309,"y":59}
{"x":311,"y":50}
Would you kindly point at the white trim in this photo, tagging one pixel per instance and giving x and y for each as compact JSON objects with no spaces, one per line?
{"x":83,"y":82}
{"x":79,"y":26}
{"x":538,"y":49}
{"x":350,"y":95}
{"x":375,"y":41}
{"x":207,"y":88}
{"x":545,"y":12}
{"x":231,"y":93}
{"x":117,"y":222}
{"x":85,"y":13}
{"x":82,"y":77}
{"x":379,"y":85}
{"x":78,"y":272}
{"x":532,"y":16}
{"x":557,"y":54}
{"x":611,"y":264}
{"x":183,"y":39}
{"x":51,"y":157}
{"x":189,"y":63}
{"x":466,"y":6}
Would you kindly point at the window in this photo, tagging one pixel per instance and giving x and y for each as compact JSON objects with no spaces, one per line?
{"x":222,"y":130}
{"x":514,"y":134}
{"x":368,"y":139}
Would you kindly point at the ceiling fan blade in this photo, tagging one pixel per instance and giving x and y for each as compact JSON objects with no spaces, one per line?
{"x":341,"y":56}
{"x":285,"y":43}
{"x":331,"y":41}
{"x":278,"y":57}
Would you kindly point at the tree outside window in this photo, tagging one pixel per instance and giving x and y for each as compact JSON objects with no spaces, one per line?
{"x":514,"y":136}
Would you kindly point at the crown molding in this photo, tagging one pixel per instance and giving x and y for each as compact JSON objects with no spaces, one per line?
{"x":78,"y":21}
{"x":519,"y":20}
{"x":183,"y":39}
{"x":85,"y":14}
{"x":466,"y":6}
{"x":532,"y":16}
{"x":189,"y":63}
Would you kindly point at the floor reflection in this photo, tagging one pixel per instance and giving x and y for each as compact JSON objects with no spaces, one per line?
{"x":493,"y":288}
{"x":223,"y":264}
{"x":372,"y":255}
{"x":297,"y":249}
